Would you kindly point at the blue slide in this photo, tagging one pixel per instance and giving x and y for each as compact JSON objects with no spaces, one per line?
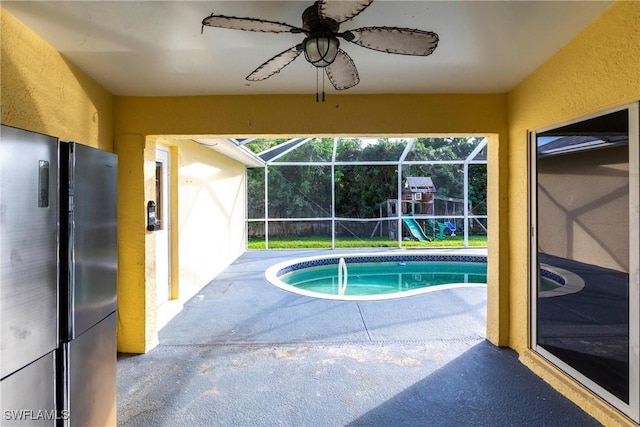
{"x":416,"y":230}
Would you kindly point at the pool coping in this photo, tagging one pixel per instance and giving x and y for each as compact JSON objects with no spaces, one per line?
{"x":570,"y":282}
{"x":273,"y":273}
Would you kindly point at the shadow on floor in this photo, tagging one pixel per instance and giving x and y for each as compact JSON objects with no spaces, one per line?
{"x":485,"y":386}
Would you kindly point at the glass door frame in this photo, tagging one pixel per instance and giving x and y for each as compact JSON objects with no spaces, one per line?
{"x":632,"y":409}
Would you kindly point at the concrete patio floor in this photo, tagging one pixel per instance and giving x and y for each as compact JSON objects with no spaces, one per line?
{"x":245,"y":353}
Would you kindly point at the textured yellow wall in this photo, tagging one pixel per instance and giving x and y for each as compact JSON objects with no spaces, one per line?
{"x":301,"y":115}
{"x":599,"y":69}
{"x":43,"y":92}
{"x":210,"y":215}
{"x":136,"y":293}
{"x":498,"y":267}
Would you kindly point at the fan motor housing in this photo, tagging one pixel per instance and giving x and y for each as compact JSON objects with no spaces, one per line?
{"x":312,"y":22}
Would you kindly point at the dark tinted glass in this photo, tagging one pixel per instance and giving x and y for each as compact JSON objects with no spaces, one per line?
{"x":583,"y":248}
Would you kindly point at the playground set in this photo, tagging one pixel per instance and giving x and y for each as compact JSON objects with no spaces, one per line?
{"x":420,"y":198}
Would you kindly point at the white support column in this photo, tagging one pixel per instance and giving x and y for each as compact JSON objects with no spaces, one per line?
{"x":333,"y":193}
{"x":406,"y":151}
{"x":465,"y":208}
{"x":469,"y":158}
{"x":266,"y":206}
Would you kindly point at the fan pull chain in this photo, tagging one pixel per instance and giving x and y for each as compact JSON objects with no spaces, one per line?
{"x":318,"y":84}
{"x":323,"y":74}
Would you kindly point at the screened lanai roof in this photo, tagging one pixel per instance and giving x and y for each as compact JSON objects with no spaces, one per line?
{"x":258,"y":152}
{"x":369,"y":150}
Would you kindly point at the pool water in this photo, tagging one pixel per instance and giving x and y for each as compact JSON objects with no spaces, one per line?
{"x":386,"y":277}
{"x":547,"y":284}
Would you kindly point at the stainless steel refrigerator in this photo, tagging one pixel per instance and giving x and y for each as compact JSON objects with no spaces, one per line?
{"x":29,"y":317}
{"x":59,"y":277}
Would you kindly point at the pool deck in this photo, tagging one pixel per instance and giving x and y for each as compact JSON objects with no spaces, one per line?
{"x":246,"y":353}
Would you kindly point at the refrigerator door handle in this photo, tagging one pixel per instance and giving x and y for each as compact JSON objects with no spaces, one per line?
{"x":43,"y":184}
{"x":70,"y":280}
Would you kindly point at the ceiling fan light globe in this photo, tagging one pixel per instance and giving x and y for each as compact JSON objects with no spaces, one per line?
{"x":321,"y":50}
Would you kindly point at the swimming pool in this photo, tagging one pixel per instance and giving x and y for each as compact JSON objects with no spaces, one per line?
{"x":378,"y":276}
{"x":555,"y":282}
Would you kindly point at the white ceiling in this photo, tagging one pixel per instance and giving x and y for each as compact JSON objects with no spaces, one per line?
{"x":156,"y":47}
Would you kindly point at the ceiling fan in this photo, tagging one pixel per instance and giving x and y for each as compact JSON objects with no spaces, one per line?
{"x":320,"y":26}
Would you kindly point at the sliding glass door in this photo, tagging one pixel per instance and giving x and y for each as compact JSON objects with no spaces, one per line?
{"x":585,"y":252}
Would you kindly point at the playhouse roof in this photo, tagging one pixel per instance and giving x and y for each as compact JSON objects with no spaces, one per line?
{"x":422,"y":184}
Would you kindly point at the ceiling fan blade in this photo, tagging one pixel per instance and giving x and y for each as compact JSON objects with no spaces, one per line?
{"x":403,"y":41}
{"x":249,"y":24}
{"x":341,"y":10}
{"x":275,"y":64}
{"x":342,"y":72}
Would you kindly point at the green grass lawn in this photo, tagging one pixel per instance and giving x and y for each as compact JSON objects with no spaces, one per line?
{"x":375,"y":242}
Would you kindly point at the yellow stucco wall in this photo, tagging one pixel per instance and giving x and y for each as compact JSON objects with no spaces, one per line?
{"x":137,"y":314}
{"x":211,"y":215}
{"x":294,"y":115}
{"x":43,"y":92}
{"x":599,"y":69}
